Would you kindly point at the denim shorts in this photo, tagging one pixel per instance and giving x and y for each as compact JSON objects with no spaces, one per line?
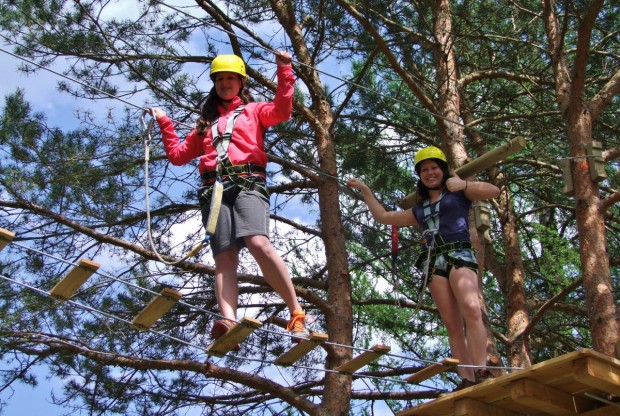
{"x":243,"y":214}
{"x":443,"y":263}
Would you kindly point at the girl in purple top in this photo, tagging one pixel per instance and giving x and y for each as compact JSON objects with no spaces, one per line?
{"x":450,"y":265}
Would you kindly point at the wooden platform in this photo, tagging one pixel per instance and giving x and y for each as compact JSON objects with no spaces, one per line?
{"x":578,"y":383}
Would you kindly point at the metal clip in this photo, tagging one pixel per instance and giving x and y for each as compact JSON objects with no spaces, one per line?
{"x":218,"y":168}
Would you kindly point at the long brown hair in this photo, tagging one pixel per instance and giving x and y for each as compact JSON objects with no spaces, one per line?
{"x":209,"y":111}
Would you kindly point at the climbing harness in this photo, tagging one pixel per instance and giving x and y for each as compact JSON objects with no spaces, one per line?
{"x":431,"y":218}
{"x":434,"y":242}
{"x":237,"y":174}
{"x":241,"y":177}
{"x":213,"y":185}
{"x":215,"y":190}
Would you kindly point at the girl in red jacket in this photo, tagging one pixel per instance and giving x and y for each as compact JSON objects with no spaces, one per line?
{"x":243,"y":219}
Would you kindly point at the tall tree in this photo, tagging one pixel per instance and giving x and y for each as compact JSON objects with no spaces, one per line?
{"x":582,"y":100}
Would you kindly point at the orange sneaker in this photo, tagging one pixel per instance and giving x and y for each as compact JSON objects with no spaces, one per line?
{"x":297,"y":326}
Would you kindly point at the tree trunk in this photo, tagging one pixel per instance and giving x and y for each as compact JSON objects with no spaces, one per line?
{"x":514,"y":288}
{"x":600,"y":303}
{"x":339,"y":318}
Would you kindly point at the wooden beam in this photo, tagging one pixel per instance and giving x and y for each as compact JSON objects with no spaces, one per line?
{"x":73,"y":280}
{"x":363,"y":359}
{"x":545,"y":398}
{"x":6,"y":237}
{"x":472,"y":407}
{"x":159,"y":305}
{"x":233,"y":337}
{"x":432,"y":370}
{"x":598,"y":374}
{"x":479,"y":164}
{"x":301,"y":349}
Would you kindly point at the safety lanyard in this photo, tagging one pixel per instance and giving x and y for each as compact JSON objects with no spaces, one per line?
{"x":222,"y":141}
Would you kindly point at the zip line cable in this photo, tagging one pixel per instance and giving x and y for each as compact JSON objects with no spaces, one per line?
{"x":199,"y":309}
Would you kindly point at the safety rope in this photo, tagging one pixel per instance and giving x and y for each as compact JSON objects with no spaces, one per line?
{"x":147,"y":135}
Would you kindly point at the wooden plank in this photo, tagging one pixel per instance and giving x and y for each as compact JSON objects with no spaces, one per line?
{"x":559,"y":374}
{"x":6,"y":237}
{"x":545,"y":398}
{"x":599,"y":374}
{"x":471,"y":407}
{"x":67,"y":286}
{"x":301,"y":349}
{"x":159,"y":305}
{"x":234,"y":337}
{"x":363,"y":359}
{"x":432,"y":370}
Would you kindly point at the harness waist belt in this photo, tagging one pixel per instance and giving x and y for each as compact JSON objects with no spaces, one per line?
{"x":445,"y":247}
{"x":232,"y":170}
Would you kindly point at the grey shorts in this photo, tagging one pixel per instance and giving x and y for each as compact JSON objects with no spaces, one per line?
{"x":245,"y":215}
{"x":443,"y":263}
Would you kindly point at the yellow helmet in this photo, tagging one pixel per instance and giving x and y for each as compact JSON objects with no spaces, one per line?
{"x":430,"y":152}
{"x":228,"y":63}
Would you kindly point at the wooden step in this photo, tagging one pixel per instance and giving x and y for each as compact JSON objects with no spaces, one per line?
{"x":301,"y":349}
{"x":159,"y":305}
{"x":432,"y":370}
{"x":233,"y":337}
{"x":6,"y":237}
{"x":73,"y":280}
{"x":576,"y":383}
{"x":363,"y":359}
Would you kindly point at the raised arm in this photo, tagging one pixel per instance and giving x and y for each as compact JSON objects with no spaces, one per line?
{"x":379,"y":213}
{"x":474,"y":190}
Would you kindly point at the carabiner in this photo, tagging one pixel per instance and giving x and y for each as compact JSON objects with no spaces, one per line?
{"x":218,"y":168}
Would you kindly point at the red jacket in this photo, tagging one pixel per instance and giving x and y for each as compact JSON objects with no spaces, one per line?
{"x":246,"y":145}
